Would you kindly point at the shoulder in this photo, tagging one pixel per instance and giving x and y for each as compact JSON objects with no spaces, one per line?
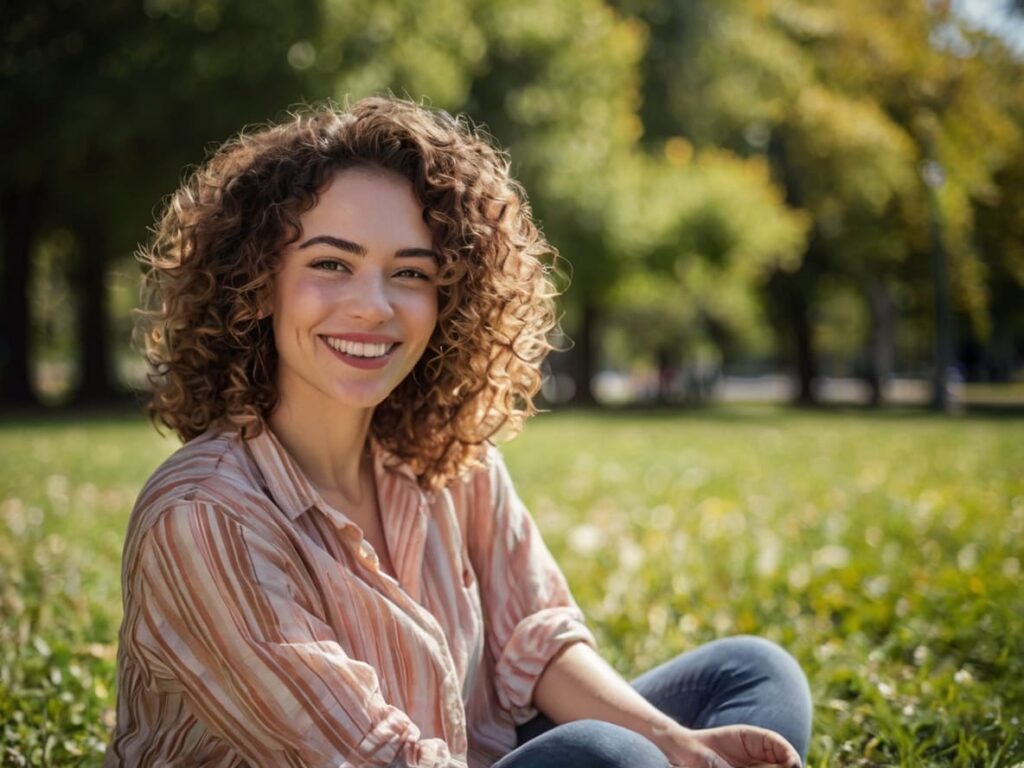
{"x":208,"y":463}
{"x":484,"y":487}
{"x":211,"y":471}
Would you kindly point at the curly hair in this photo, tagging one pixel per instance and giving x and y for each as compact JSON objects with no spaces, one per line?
{"x":214,"y":251}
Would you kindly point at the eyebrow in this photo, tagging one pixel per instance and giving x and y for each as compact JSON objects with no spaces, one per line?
{"x":359,"y":250}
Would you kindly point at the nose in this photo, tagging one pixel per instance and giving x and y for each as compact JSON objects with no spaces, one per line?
{"x":368,"y":298}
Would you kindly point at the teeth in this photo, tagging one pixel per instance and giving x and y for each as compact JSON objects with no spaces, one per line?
{"x":359,"y":349}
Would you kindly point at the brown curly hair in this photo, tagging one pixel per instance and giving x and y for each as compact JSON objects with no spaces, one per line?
{"x":215,"y":249}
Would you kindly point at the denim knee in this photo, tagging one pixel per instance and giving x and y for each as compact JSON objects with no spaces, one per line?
{"x":587,"y":744}
{"x":747,"y":660}
{"x":750,"y":655}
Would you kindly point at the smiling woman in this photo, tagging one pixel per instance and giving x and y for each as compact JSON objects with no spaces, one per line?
{"x":221,"y":240}
{"x":367,"y":300}
{"x":335,"y":569}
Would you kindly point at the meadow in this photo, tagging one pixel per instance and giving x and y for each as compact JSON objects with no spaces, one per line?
{"x":883,"y":550}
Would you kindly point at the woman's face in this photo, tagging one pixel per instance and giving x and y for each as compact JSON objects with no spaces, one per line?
{"x":355,"y":299}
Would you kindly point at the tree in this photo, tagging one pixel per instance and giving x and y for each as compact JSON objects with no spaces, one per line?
{"x":999,"y":218}
{"x":561,"y":89}
{"x":130,"y":94}
{"x":842,"y":100}
{"x":935,"y":79}
{"x":554,"y":82}
{"x":707,"y":231}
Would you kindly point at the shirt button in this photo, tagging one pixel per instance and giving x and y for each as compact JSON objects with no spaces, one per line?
{"x":366,"y":553}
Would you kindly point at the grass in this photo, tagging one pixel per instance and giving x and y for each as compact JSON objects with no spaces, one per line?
{"x":883,"y":550}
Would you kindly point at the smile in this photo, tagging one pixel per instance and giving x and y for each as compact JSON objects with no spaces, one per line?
{"x":358,"y":348}
{"x":360,"y":354}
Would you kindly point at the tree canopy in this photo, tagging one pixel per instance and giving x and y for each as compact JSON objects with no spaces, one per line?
{"x":708,"y":170}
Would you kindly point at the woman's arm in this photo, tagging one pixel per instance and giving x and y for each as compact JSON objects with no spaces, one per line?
{"x":529,"y":612}
{"x":578,"y":684}
{"x":546,"y":655}
{"x":219,"y":617}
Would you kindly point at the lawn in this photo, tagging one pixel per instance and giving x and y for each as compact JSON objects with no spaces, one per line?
{"x":884,"y":550}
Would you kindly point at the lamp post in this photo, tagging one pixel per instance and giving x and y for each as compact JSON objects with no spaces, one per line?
{"x":934,"y":176}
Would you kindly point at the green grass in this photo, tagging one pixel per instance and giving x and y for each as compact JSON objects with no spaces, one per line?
{"x":883,"y":550}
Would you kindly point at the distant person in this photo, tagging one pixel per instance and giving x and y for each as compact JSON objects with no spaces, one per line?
{"x":335,"y":569}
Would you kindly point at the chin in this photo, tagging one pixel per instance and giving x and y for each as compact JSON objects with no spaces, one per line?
{"x":363,"y":399}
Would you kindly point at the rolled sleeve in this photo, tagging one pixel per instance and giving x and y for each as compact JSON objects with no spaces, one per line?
{"x":230,"y":626}
{"x":534,"y":642}
{"x":530,"y":614}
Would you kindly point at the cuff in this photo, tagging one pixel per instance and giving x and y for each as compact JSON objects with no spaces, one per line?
{"x":433,"y":753}
{"x":534,"y":642}
{"x":395,"y":742}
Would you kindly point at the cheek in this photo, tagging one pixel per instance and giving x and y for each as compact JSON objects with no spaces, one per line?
{"x":298,"y":307}
{"x":428,"y":315}
{"x":300,"y":301}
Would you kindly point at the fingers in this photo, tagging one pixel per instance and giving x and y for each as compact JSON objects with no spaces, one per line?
{"x":769,"y":747}
{"x":748,"y":746}
{"x":704,"y":761}
{"x":699,"y":757}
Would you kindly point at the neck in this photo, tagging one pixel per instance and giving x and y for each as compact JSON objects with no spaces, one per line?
{"x":326,"y":440}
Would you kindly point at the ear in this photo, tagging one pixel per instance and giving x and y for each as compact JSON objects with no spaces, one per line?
{"x":264,"y":299}
{"x":266,"y":306}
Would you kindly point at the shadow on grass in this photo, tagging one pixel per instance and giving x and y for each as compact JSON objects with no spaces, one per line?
{"x":759,"y":411}
{"x":122,"y":410}
{"x":128,"y":410}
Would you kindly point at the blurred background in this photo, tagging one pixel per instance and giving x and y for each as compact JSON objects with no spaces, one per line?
{"x":755,"y":199}
{"x":806,"y":201}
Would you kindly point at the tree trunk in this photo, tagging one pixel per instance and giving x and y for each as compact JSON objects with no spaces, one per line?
{"x":663,"y":360}
{"x":585,"y":356}
{"x":941,"y":399}
{"x":806,"y":356}
{"x":795,"y":292}
{"x":18,"y":211}
{"x":95,"y":382}
{"x":881,"y":341}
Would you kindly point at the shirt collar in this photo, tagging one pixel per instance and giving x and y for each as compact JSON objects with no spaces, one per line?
{"x":293,"y":492}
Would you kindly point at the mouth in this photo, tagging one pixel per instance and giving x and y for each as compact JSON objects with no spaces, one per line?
{"x":361,"y":354}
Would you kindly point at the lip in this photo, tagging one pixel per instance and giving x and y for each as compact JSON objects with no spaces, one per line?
{"x":363,"y":363}
{"x":363,"y":338}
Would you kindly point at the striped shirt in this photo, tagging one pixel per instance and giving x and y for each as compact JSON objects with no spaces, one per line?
{"x":260,"y":630}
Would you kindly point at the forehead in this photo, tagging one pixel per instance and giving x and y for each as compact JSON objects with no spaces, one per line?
{"x":369,"y":203}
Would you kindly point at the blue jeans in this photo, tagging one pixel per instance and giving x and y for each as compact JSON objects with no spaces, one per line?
{"x":736,"y":680}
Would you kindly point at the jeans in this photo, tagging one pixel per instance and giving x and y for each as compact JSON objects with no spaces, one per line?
{"x":736,"y":680}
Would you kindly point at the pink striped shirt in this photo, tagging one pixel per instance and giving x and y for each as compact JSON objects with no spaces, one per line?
{"x":259,"y":630}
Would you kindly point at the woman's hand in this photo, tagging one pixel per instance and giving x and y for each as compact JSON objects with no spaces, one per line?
{"x":730,"y":746}
{"x":579,"y":684}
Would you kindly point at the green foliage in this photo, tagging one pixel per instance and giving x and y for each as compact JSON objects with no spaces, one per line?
{"x":423,"y":49}
{"x":705,"y":233}
{"x":884,"y":552}
{"x":65,"y":494}
{"x":1000,"y":232}
{"x":107,"y":103}
{"x":624,"y":119}
{"x":846,"y":100}
{"x":132,"y":92}
{"x":950,"y":90}
{"x":560,"y":92}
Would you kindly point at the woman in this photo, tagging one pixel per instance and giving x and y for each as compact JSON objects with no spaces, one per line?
{"x":335,"y":568}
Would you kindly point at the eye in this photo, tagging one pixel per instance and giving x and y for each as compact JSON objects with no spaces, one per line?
{"x":412,"y":272}
{"x":330,"y":265}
